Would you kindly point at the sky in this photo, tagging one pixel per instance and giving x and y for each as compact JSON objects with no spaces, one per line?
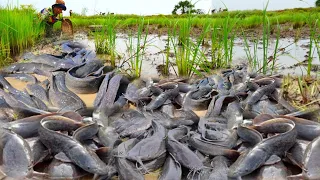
{"x":149,"y":7}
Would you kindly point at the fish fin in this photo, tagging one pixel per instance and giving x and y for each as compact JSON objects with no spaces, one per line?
{"x":62,"y":157}
{"x":295,"y":177}
{"x":273,"y":160}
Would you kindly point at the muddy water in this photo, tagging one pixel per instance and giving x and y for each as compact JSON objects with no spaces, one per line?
{"x":20,"y":85}
{"x":289,"y":53}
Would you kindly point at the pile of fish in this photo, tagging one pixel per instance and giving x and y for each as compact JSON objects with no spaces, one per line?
{"x":136,"y":127}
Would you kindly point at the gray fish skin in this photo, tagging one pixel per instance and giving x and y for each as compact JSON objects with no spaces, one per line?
{"x":102,"y":90}
{"x":20,"y":106}
{"x":150,"y":148}
{"x":117,"y":86}
{"x":234,"y":114}
{"x":211,"y":148}
{"x":134,"y":122}
{"x":107,"y":136}
{"x":220,"y":168}
{"x":296,"y":153}
{"x":83,"y":84}
{"x":85,"y":69}
{"x":27,"y":127}
{"x":180,"y":152}
{"x":249,"y":135}
{"x":311,"y":160}
{"x":275,"y":145}
{"x":64,"y":170}
{"x":62,"y":97}
{"x":171,"y":169}
{"x":162,"y":98}
{"x":126,"y":169}
{"x":39,"y":151}
{"x":27,"y":68}
{"x":53,"y":61}
{"x":23,"y":77}
{"x":58,"y":142}
{"x":276,"y":171}
{"x":154,"y":164}
{"x":257,"y":95}
{"x":39,"y":92}
{"x":86,"y":132}
{"x":197,"y":104}
{"x":16,"y":155}
{"x":307,"y":130}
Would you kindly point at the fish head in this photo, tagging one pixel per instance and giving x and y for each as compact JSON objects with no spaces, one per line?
{"x":248,"y":162}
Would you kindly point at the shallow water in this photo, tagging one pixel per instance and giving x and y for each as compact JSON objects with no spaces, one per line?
{"x":292,"y":53}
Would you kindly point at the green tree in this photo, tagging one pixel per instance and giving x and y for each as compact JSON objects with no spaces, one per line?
{"x":318,"y":3}
{"x":184,"y":6}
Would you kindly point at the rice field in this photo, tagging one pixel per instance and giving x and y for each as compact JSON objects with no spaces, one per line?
{"x":20,"y":28}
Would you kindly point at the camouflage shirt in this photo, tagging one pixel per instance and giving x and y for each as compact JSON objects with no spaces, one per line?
{"x":47,"y":15}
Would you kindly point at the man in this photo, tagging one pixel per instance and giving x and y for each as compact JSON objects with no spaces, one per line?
{"x":51,"y":15}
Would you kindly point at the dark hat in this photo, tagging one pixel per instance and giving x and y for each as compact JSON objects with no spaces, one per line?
{"x":62,"y":6}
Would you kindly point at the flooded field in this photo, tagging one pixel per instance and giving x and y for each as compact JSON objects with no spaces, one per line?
{"x":291,"y":56}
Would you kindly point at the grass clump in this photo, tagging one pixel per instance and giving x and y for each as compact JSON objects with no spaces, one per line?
{"x":19,"y":29}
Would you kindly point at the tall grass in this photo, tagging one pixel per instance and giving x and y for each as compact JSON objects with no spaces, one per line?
{"x":265,"y":39}
{"x":187,"y":51}
{"x":19,"y":29}
{"x":136,"y":49}
{"x":105,"y":40}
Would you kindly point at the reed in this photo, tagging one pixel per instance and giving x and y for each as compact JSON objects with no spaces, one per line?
{"x":19,"y":29}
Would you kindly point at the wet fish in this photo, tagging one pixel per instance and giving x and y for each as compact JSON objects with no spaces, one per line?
{"x":102,"y":90}
{"x":269,"y":87}
{"x":39,"y":92}
{"x":63,"y":99}
{"x":64,"y":170}
{"x":16,"y":156}
{"x":199,"y":103}
{"x":276,"y":171}
{"x":126,"y":169}
{"x":23,"y":77}
{"x":296,"y":153}
{"x":249,"y":135}
{"x":39,"y":151}
{"x":149,"y":148}
{"x":58,"y":142}
{"x":213,"y":149}
{"x":107,"y":136}
{"x":27,"y":68}
{"x":86,"y":132}
{"x":171,"y":169}
{"x":182,"y":153}
{"x":275,"y":145}
{"x":163,"y":97}
{"x":27,"y":127}
{"x":220,"y":168}
{"x":311,"y":160}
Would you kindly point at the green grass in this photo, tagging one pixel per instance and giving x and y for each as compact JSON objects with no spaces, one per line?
{"x":105,"y":40}
{"x":244,"y":19}
{"x":19,"y":29}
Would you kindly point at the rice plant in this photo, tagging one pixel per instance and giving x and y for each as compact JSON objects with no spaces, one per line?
{"x":105,"y":40}
{"x":136,"y":49}
{"x":19,"y":29}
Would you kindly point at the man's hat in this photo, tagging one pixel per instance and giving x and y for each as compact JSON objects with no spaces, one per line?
{"x":60,"y":4}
